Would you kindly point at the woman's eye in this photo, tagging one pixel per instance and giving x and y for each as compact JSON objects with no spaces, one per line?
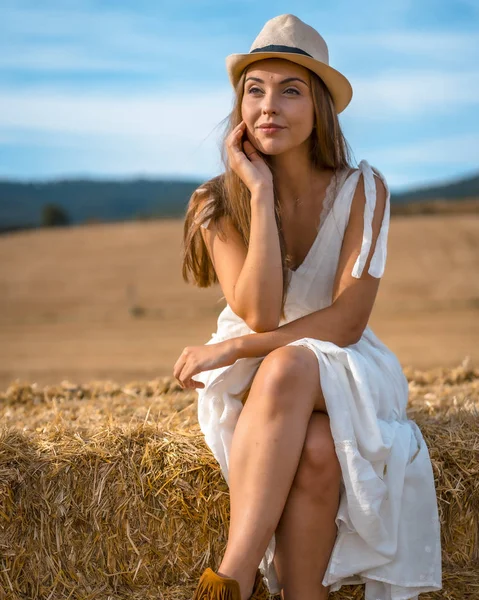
{"x":252,"y":89}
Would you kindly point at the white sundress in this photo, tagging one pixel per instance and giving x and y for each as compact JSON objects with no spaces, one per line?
{"x":388,"y":527}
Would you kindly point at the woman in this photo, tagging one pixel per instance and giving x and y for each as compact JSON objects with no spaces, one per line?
{"x":330,"y":483}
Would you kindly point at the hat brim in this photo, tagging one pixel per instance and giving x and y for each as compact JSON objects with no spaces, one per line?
{"x":337,"y":84}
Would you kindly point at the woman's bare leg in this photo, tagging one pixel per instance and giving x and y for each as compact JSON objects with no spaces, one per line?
{"x":307,"y":530}
{"x":265,"y":453}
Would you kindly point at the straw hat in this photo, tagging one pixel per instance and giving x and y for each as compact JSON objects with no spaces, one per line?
{"x":286,"y":36}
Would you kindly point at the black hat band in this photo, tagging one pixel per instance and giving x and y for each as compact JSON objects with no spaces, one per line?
{"x":279,"y":48}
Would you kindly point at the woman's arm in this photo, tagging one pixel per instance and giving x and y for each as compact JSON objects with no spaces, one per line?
{"x":251,"y":277}
{"x":259,"y":287}
{"x":327,"y":324}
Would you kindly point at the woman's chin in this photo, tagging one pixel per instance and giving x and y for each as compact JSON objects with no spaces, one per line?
{"x":271,"y":147}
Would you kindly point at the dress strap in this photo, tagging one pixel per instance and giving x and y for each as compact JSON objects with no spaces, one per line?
{"x":205,"y":224}
{"x":204,"y":209}
{"x":378,"y":261}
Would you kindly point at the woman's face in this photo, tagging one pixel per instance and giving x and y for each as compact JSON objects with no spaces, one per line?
{"x":277,"y":91}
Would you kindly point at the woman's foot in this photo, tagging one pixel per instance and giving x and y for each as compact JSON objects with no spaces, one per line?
{"x":255,"y":590}
{"x":213,"y":585}
{"x":246,"y":584}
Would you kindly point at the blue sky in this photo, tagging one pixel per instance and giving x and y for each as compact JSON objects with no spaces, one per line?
{"x":122,"y":89}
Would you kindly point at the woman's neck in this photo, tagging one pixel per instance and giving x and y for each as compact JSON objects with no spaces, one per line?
{"x":297,"y":181}
{"x":295,"y":176}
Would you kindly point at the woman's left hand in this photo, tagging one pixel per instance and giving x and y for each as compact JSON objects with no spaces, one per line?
{"x":195,"y":359}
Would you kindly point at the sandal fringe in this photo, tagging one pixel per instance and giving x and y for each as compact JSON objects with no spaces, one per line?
{"x":214,"y":587}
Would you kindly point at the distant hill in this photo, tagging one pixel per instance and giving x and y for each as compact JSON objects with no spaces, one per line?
{"x":21,"y":203}
{"x":85,"y":200}
{"x":458,"y":189}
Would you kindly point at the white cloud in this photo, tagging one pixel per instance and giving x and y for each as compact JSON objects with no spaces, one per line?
{"x":120,"y":41}
{"x":413,"y":93}
{"x":108,"y":134}
{"x":68,"y":59}
{"x":177,"y":114}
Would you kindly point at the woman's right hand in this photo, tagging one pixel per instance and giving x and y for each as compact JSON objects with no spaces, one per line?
{"x":246,"y":162}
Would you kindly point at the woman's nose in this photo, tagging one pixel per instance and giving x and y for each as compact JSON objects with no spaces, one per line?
{"x":270,"y":102}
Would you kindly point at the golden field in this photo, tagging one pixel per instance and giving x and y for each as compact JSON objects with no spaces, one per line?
{"x":65,"y":296}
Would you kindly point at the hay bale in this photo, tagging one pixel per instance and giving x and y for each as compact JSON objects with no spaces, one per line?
{"x":111,"y":491}
{"x":457,"y":585}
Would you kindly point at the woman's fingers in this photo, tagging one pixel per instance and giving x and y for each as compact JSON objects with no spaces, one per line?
{"x":187,"y":376}
{"x":196,"y":384}
{"x":236,"y":134}
{"x":245,"y":159}
{"x":184,"y":372}
{"x":249,"y":149}
{"x":234,"y":140}
{"x":180,"y":370}
{"x":178,"y":366}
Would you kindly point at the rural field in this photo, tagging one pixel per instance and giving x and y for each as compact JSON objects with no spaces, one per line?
{"x":107,"y":488}
{"x":65,"y":296}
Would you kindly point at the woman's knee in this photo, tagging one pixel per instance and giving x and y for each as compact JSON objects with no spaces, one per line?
{"x":287,"y":369}
{"x":319,"y":471}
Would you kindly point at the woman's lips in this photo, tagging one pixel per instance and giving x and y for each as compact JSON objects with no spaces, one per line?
{"x":271,"y":129}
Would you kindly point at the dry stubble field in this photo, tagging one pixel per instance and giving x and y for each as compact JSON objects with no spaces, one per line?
{"x":65,"y":297}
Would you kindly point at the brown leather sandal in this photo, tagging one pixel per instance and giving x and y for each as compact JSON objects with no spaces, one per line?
{"x":260,"y":591}
{"x":215,"y":587}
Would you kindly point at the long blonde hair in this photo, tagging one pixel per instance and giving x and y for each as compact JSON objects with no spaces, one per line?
{"x":229,"y":196}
